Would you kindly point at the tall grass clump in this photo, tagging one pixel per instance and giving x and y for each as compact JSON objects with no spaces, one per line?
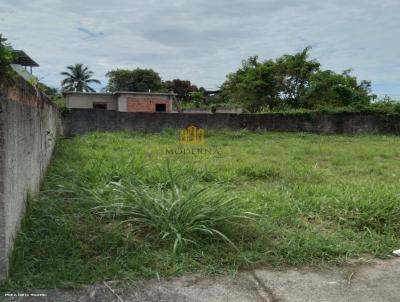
{"x":172,"y":213}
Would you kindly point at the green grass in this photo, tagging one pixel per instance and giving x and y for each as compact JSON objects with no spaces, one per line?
{"x":319,"y":199}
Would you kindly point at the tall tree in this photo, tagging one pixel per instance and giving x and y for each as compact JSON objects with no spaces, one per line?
{"x":78,"y":78}
{"x":256,"y":85}
{"x":295,"y":72}
{"x":133,"y":80}
{"x":182,"y":88}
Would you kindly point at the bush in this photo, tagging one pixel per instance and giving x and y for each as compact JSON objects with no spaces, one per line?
{"x":390,"y":108}
{"x":6,"y":58}
{"x":170,"y":213}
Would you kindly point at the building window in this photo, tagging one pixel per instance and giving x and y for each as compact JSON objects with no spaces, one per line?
{"x":102,"y":106}
{"x":161,"y":108}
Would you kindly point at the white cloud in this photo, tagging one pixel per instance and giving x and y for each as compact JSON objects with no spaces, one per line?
{"x":204,"y":40}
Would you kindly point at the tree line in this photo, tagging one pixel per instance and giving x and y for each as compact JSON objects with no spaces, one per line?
{"x":292,"y":81}
{"x":288,"y":82}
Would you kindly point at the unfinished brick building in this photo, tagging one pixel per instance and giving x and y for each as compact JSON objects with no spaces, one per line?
{"x":124,"y":101}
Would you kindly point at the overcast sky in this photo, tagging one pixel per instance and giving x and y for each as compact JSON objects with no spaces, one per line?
{"x":203,"y":40}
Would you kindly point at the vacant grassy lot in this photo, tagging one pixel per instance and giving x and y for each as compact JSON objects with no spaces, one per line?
{"x":318,"y":199}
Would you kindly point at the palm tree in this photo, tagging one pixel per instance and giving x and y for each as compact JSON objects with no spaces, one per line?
{"x":78,"y":78}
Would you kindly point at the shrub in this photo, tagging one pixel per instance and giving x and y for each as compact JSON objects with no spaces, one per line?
{"x":6,"y":58}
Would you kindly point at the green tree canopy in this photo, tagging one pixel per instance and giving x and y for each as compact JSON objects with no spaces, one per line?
{"x":6,"y":57}
{"x":255,"y":85}
{"x":133,"y":80}
{"x":294,"y":72}
{"x":78,"y":78}
{"x":330,"y":89}
{"x":292,"y":81}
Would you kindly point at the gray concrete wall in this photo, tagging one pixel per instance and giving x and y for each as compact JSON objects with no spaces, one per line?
{"x":219,"y":110}
{"x":82,"y":121}
{"x":28,"y":129}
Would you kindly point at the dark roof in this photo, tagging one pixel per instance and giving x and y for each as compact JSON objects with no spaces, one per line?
{"x":145,"y":93}
{"x":208,"y":92}
{"x":87,"y":93}
{"x":21,"y":58}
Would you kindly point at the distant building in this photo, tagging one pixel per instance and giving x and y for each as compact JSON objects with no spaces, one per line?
{"x":124,"y":101}
{"x":21,"y":63}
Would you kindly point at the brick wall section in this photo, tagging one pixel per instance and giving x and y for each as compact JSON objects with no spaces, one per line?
{"x":82,"y":121}
{"x":28,"y":129}
{"x":147,"y":104}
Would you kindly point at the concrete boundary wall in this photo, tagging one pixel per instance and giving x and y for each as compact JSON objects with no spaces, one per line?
{"x":79,"y":121}
{"x":28,"y":130}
